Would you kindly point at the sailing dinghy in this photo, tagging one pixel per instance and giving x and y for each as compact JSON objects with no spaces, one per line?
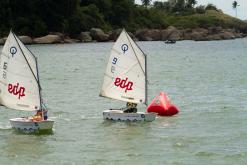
{"x":20,"y":86}
{"x":125,"y":79}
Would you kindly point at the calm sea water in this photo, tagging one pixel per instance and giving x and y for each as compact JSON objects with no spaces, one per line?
{"x":206,"y":80}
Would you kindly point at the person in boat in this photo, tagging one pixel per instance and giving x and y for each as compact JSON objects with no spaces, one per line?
{"x":130,"y":108}
{"x":45,"y":111}
{"x":38,"y":116}
{"x":40,"y":113}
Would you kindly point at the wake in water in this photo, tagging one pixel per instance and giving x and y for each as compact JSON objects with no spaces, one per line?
{"x":72,"y":118}
{"x":5,"y":126}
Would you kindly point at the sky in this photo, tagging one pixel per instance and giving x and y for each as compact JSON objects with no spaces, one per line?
{"x":225,"y":5}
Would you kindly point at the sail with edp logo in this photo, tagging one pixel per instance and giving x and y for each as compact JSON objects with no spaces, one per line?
{"x":125,"y":79}
{"x":20,"y":87}
{"x":18,"y":75}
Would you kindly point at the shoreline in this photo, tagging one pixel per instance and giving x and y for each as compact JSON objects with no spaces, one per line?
{"x":170,"y":33}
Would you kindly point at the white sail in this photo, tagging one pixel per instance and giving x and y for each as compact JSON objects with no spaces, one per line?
{"x":19,"y":83}
{"x":125,"y":76}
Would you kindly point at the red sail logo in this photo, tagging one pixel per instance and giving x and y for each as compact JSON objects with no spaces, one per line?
{"x":16,"y":90}
{"x":123,"y":83}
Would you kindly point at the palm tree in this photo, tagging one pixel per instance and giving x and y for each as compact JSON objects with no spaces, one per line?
{"x":234,"y":6}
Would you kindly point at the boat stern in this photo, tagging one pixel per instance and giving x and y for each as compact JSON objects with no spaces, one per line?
{"x":119,"y":115}
{"x":29,"y":126}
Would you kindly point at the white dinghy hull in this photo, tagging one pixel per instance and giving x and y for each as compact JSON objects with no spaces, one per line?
{"x":29,"y":126}
{"x":119,"y":115}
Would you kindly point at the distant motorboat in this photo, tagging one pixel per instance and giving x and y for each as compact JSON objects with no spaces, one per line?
{"x":170,"y":41}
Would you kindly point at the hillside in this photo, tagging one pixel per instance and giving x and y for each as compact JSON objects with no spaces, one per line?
{"x":71,"y":17}
{"x":210,"y":18}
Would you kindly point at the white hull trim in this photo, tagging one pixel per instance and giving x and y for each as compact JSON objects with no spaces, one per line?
{"x":29,"y":126}
{"x":119,"y":115}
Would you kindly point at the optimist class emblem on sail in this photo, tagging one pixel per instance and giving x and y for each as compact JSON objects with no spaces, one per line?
{"x":124,"y":48}
{"x":13,"y":50}
{"x":16,"y":90}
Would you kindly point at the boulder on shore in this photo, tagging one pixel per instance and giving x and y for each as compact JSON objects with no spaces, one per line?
{"x":58,"y":33}
{"x":171,"y":33}
{"x":48,"y":39}
{"x":213,"y":37}
{"x":114,"y":34}
{"x":26,"y":39}
{"x":148,"y":34}
{"x":198,"y":34}
{"x":215,"y":30}
{"x":2,"y":41}
{"x":85,"y":37}
{"x":98,"y":35}
{"x":70,"y":40}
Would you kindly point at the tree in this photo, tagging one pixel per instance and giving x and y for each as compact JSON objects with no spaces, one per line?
{"x":191,"y":3}
{"x":211,"y":6}
{"x":146,"y":2}
{"x":179,"y":6}
{"x":162,"y":5}
{"x":172,"y":2}
{"x":234,"y":6}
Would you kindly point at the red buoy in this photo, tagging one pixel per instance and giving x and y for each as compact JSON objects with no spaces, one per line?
{"x":162,"y":105}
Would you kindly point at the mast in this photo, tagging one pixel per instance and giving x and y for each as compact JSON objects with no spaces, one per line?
{"x":40,"y":96}
{"x":146,"y":81}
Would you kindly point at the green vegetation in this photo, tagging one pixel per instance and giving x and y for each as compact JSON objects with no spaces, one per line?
{"x":208,"y":19}
{"x":39,"y":17}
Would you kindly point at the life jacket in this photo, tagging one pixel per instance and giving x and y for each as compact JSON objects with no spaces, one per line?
{"x":37,"y":118}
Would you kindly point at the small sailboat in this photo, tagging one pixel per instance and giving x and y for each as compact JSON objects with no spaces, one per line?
{"x":20,"y":86}
{"x":125,"y":79}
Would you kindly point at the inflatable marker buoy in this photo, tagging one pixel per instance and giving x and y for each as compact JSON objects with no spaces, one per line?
{"x":162,"y":105}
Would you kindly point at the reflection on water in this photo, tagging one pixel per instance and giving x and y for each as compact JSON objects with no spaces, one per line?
{"x":17,"y":146}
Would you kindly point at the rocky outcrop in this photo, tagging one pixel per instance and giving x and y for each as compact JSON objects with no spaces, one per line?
{"x":26,"y":39}
{"x":221,"y":34}
{"x":70,"y":40}
{"x":198,"y":34}
{"x":2,"y":41}
{"x":133,"y":36}
{"x":48,"y":39}
{"x":171,"y":33}
{"x":214,"y":30}
{"x":114,"y":34}
{"x":148,"y":35}
{"x":98,"y":35}
{"x":213,"y":33}
{"x":58,"y":34}
{"x":85,"y":37}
